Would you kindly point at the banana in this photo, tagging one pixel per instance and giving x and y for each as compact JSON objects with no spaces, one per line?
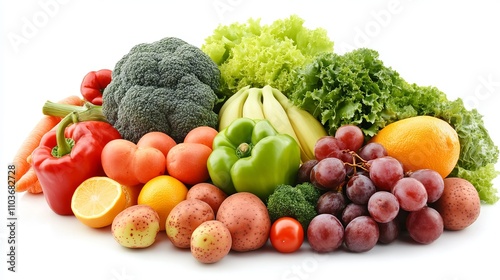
{"x":307,"y":128}
{"x":234,"y":108}
{"x":277,"y":116}
{"x":253,"y":105}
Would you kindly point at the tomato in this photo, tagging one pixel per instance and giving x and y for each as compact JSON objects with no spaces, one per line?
{"x":287,"y":235}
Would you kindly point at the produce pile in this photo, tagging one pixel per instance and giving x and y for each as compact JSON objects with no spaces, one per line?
{"x":261,"y":134}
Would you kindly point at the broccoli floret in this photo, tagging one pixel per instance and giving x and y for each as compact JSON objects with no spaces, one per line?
{"x":297,"y":201}
{"x":168,"y":85}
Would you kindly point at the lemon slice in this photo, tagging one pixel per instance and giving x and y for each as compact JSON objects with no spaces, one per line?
{"x":97,"y":201}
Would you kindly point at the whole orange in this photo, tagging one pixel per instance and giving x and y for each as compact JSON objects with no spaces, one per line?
{"x":188,"y":162}
{"x":421,"y":142}
{"x":162,"y":193}
{"x":201,"y":134}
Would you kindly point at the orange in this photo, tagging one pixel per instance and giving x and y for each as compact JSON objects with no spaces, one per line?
{"x":162,"y":193}
{"x":201,"y":134}
{"x":188,"y":162}
{"x":97,"y":201}
{"x":421,"y":142}
{"x":132,"y":194}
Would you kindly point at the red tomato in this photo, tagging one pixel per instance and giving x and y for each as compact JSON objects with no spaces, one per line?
{"x":287,"y":235}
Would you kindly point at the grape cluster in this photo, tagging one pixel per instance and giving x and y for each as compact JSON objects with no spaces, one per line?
{"x":367,"y":197}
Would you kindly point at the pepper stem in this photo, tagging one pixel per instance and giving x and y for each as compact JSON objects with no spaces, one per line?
{"x":71,"y":114}
{"x":243,"y":150}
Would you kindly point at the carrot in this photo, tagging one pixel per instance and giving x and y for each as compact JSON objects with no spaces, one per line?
{"x":45,"y":124}
{"x":27,"y":181}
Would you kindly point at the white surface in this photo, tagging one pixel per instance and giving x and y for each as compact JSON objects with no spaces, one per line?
{"x":451,"y":46}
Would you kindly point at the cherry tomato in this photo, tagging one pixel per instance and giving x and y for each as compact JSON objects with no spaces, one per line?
{"x":287,"y":235}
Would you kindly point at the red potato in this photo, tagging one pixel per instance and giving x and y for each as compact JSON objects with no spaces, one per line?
{"x":247,"y":218}
{"x":210,"y":242}
{"x":184,"y":218}
{"x":459,"y":205}
{"x":209,"y":193}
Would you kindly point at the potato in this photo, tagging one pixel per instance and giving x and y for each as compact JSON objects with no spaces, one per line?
{"x":210,"y":242}
{"x":184,"y":218}
{"x":209,"y":193}
{"x":247,"y":218}
{"x":459,"y":205}
{"x":136,"y":227}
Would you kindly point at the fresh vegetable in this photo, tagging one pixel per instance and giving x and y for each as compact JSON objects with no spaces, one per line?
{"x":70,"y":154}
{"x":459,"y":205}
{"x":257,"y":55}
{"x":202,"y":134}
{"x":271,"y":104}
{"x":250,"y":156}
{"x":93,"y":85}
{"x":184,"y":218}
{"x":287,"y":235}
{"x":158,"y":140}
{"x":207,"y":192}
{"x":188,"y":162}
{"x":136,"y":227}
{"x":357,"y":88}
{"x":26,"y":179}
{"x":168,"y":85}
{"x":210,"y":242}
{"x":246,"y":217}
{"x":296,"y":201}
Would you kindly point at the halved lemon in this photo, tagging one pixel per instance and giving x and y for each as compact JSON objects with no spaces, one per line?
{"x":97,"y":201}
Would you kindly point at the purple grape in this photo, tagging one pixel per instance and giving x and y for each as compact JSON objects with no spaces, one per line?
{"x":432,"y":181}
{"x":424,"y":225}
{"x":371,"y":151}
{"x":361,"y":234}
{"x":325,"y":233}
{"x":359,"y":189}
{"x":353,"y":210}
{"x":328,"y":174}
{"x":383,"y":206}
{"x":304,"y":173}
{"x":351,"y":135}
{"x":331,"y":202}
{"x":388,"y":231}
{"x":385,"y":172}
{"x":411,"y":194}
{"x":328,"y":146}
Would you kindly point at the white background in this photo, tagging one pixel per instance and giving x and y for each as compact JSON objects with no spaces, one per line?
{"x":49,"y":45}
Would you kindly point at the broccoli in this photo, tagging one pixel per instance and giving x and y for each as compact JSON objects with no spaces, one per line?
{"x":168,"y":85}
{"x":297,"y":201}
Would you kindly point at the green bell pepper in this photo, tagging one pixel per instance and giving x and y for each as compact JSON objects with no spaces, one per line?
{"x":251,"y":156}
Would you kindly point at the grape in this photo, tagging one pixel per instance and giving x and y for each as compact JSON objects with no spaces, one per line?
{"x":353,"y":210}
{"x":328,"y":174}
{"x":328,"y":146}
{"x":388,"y":232}
{"x":359,"y":188}
{"x":325,"y":233}
{"x":432,"y":181}
{"x":424,"y":225}
{"x":371,"y":151}
{"x":411,"y":194}
{"x":385,"y":172}
{"x":304,"y":172}
{"x":361,"y":234}
{"x":351,"y":135}
{"x":383,"y":206}
{"x":331,"y":202}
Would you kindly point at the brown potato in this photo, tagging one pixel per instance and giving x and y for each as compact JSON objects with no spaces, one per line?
{"x":459,"y":205}
{"x":247,"y":218}
{"x":209,"y":193}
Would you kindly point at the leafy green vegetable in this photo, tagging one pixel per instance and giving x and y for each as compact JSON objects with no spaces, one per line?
{"x":258,"y":55}
{"x":357,"y":88}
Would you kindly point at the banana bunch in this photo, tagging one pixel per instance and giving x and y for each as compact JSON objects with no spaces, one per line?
{"x":271,"y":104}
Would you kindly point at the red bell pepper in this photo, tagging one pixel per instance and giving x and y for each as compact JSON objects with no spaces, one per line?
{"x":71,"y":154}
{"x":93,"y":85}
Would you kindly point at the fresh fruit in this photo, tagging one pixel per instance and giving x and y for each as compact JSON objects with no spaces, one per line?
{"x":136,"y":227}
{"x":351,"y":135}
{"x":325,"y":233}
{"x":359,"y":189}
{"x":132,"y":194}
{"x":184,"y":218}
{"x":432,"y":181}
{"x":421,"y":142}
{"x":411,"y":194}
{"x":424,"y":225}
{"x":385,"y":172}
{"x":210,"y":242}
{"x":162,"y":193}
{"x":247,"y":218}
{"x":97,"y":201}
{"x":158,"y":140}
{"x":328,"y":174}
{"x":202,"y":134}
{"x":331,"y":202}
{"x":459,"y":205}
{"x":389,"y":231}
{"x":208,"y":193}
{"x":287,"y":235}
{"x":188,"y":162}
{"x":383,"y":206}
{"x":361,"y":234}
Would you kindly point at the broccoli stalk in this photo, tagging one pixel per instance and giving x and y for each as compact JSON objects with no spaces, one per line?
{"x":298,"y":202}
